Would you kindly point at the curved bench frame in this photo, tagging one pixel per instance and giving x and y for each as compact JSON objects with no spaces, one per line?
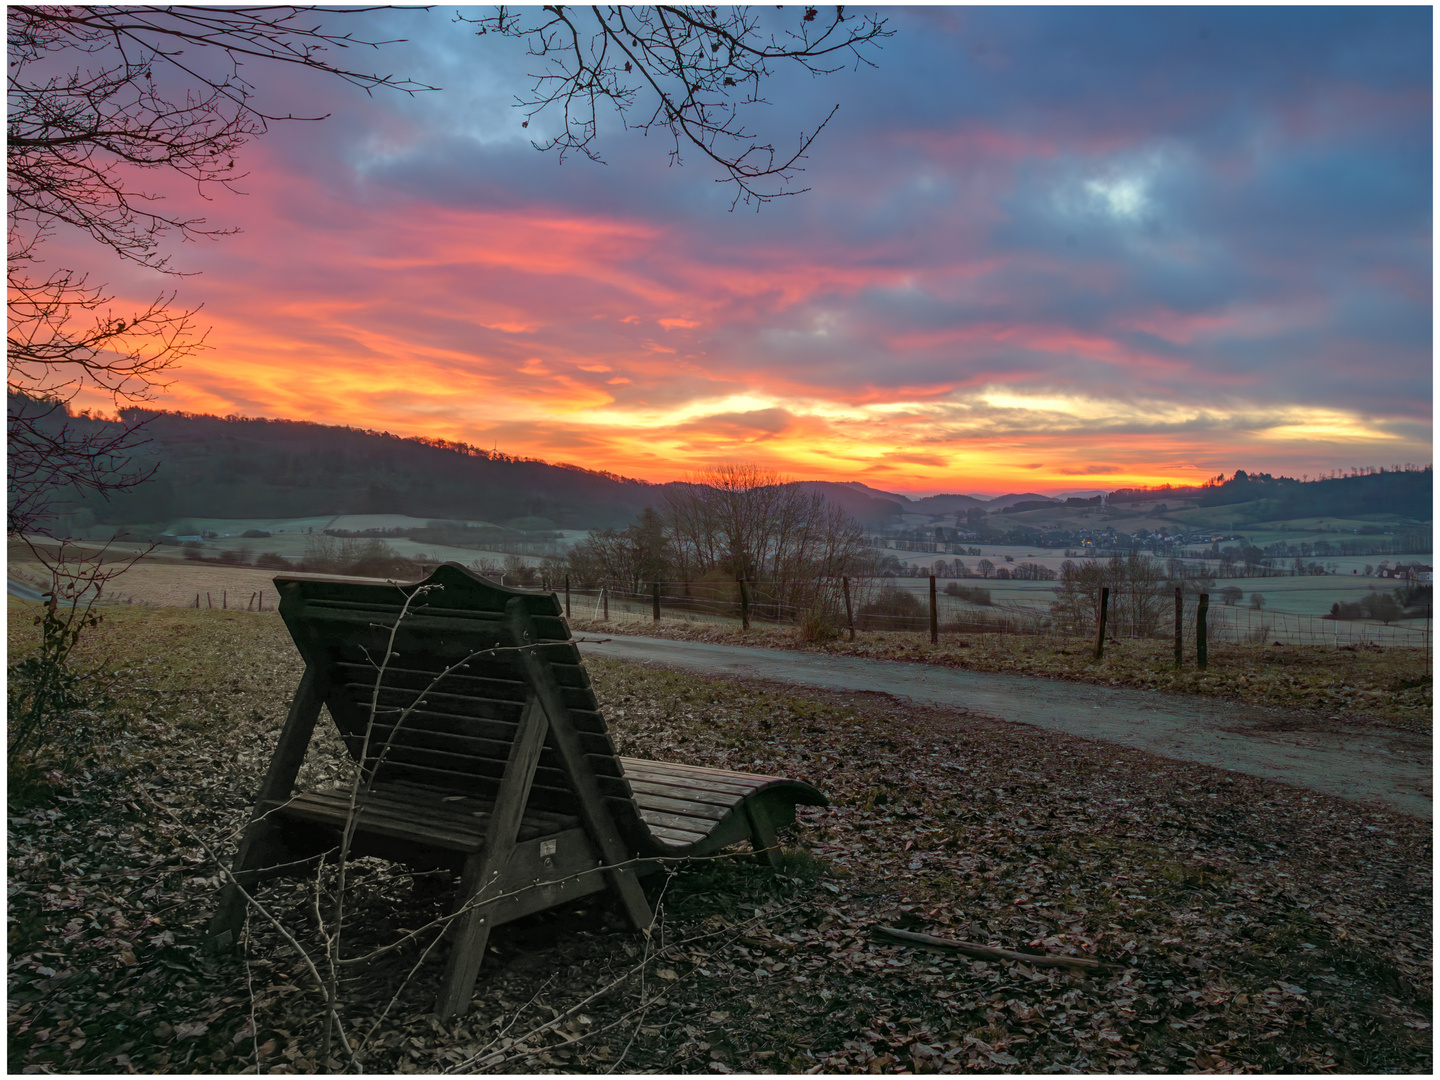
{"x":482,"y":748}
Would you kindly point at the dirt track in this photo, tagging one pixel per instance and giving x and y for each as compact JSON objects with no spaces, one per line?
{"x":1366,"y":764}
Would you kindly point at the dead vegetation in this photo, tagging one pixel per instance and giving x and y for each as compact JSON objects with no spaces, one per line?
{"x":1367,"y":684}
{"x":1256,"y":927}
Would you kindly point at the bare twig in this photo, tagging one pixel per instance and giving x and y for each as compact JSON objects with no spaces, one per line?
{"x":482,"y":1060}
{"x":892,"y":936}
{"x":290,"y":940}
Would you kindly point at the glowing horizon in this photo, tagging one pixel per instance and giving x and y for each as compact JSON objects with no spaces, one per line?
{"x":983,"y":291}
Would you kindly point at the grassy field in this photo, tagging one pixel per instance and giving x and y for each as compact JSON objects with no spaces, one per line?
{"x":1254,"y":927}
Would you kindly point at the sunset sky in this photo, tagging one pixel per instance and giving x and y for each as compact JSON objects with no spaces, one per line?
{"x":1051,"y":250}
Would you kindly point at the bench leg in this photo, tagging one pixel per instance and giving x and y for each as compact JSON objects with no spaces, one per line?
{"x":258,"y":842}
{"x":470,"y":933}
{"x":762,"y":836}
{"x":626,"y":882}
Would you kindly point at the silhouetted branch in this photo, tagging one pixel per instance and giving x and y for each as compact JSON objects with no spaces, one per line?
{"x":699,"y":65}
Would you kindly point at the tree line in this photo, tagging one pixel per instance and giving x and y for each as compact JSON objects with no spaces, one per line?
{"x":728,"y":524}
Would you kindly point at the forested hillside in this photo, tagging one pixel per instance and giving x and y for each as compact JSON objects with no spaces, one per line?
{"x":1405,"y":491}
{"x":219,"y":467}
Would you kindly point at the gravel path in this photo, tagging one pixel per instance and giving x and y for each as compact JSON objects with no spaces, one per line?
{"x":1376,"y":764}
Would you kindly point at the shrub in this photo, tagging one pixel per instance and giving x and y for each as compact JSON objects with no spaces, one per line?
{"x":894,"y":608}
{"x":272,"y":560}
{"x":817,"y":627}
{"x":58,"y":713}
{"x":973,"y":593}
{"x":375,"y":558}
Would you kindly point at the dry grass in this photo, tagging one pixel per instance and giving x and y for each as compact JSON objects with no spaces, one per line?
{"x":1349,"y":685}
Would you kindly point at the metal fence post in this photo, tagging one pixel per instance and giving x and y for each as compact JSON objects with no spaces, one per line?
{"x":744,"y":605}
{"x":567,"y":596}
{"x":1100,"y":630}
{"x":655,"y":601}
{"x":849,"y":615}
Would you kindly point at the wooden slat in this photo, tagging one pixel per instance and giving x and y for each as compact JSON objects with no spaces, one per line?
{"x":723,"y":799}
{"x":419,"y":793}
{"x":666,"y":804}
{"x":702,"y":826}
{"x":726,"y":775}
{"x":692,"y":790}
{"x":494,"y":673}
{"x":640,"y":771}
{"x":427,"y":822}
{"x":676,"y":837}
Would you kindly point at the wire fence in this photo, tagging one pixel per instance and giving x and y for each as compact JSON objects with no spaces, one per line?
{"x":879,"y":604}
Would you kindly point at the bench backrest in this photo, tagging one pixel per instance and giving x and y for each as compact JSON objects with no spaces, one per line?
{"x":460,"y":725}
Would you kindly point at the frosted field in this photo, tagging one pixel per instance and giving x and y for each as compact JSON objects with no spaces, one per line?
{"x":233,"y":527}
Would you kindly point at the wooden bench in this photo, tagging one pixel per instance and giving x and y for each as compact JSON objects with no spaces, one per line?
{"x":481,"y":748}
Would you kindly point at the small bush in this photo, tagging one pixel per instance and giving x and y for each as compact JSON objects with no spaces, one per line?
{"x":894,"y":608}
{"x":377,"y":559}
{"x":973,"y":593}
{"x":58,"y":714}
{"x":817,"y":627}
{"x":271,"y":560}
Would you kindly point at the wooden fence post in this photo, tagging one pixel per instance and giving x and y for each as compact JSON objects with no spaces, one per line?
{"x":197,"y":601}
{"x":655,"y":601}
{"x":605,"y":596}
{"x":1100,"y":630}
{"x":1179,"y":615}
{"x":1200,"y":654}
{"x":850,"y":615}
{"x":934,"y":615}
{"x":744,"y":605}
{"x":567,"y":596}
{"x":224,"y":600}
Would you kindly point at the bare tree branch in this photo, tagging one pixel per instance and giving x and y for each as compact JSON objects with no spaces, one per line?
{"x":699,"y":65}
{"x":97,"y":98}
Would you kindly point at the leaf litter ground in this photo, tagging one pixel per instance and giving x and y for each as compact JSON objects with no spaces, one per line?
{"x":1258,"y":927}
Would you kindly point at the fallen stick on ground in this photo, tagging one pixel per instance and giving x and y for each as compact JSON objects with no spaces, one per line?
{"x":892,"y":936}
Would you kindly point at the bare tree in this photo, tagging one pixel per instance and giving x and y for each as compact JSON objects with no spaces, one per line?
{"x":99,"y":97}
{"x":695,"y":68}
{"x":743,"y":520}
